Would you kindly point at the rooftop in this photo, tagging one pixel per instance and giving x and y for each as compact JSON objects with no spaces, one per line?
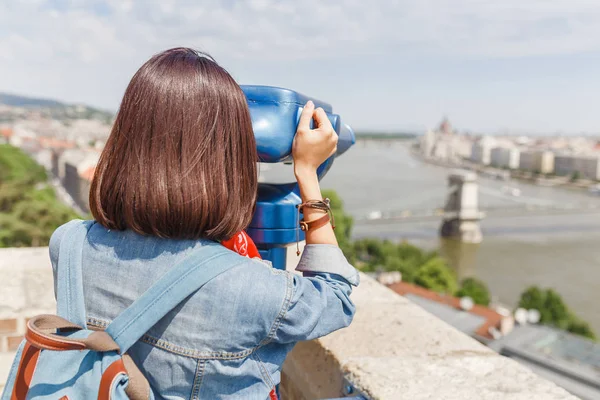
{"x":88,"y":173}
{"x":569,"y":360}
{"x":476,"y":321}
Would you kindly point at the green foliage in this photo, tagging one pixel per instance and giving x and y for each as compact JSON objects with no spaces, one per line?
{"x":554,"y":312}
{"x":29,"y":209}
{"x":581,"y":328}
{"x":476,"y":290}
{"x":575,"y":176}
{"x":372,"y":255}
{"x":420,"y":267}
{"x":557,"y":312}
{"x":16,"y":167}
{"x":437,"y":276}
{"x":343,"y":223}
{"x":532,"y":297}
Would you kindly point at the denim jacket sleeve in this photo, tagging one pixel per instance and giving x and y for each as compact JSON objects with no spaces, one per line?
{"x":320,"y":301}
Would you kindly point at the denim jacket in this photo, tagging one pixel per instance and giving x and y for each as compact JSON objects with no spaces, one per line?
{"x":230,"y":338}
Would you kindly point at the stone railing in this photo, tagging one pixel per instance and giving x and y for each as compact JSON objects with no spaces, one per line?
{"x":392,"y":350}
{"x":26,"y":289}
{"x":396,"y":350}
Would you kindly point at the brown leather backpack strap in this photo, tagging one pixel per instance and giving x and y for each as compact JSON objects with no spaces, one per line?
{"x":27,"y":364}
{"x":39,"y":338}
{"x":36,"y":336}
{"x":138,"y":387}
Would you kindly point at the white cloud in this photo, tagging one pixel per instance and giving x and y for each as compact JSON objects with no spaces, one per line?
{"x":86,"y":50}
{"x":314,"y":29}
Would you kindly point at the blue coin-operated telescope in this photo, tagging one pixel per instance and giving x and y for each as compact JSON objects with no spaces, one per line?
{"x":275,"y":113}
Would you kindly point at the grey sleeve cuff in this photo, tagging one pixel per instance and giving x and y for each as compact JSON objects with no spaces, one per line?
{"x":326,"y":258}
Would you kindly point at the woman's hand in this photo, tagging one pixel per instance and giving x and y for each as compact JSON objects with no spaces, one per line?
{"x":312,"y":147}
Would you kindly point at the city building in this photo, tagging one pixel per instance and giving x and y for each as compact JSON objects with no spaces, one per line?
{"x":481,"y":152}
{"x":444,"y":146}
{"x":74,"y":173}
{"x":428,"y":143}
{"x":445,"y":127}
{"x":44,"y":158}
{"x":564,"y":164}
{"x":462,"y":146}
{"x":5,"y":135}
{"x":541,"y":161}
{"x":587,"y":166}
{"x":570,"y":361}
{"x":480,"y":322}
{"x":505,"y":157}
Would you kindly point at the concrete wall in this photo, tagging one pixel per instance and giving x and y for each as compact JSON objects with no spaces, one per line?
{"x":392,"y":350}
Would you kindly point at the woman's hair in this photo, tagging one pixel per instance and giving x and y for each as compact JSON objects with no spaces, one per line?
{"x":180,"y":161}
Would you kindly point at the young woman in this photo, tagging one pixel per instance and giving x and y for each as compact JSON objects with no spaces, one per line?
{"x":179,"y":171}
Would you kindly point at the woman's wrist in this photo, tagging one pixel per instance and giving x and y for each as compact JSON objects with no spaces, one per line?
{"x":304,"y":173}
{"x":308,"y":182}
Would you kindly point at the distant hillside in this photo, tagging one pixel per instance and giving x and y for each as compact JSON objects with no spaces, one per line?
{"x":386,"y":135}
{"x":29,"y":102}
{"x":51,"y":108}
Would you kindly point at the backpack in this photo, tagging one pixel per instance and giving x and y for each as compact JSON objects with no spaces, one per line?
{"x":61,"y":359}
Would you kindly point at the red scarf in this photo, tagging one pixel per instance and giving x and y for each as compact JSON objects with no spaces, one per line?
{"x":242,"y":244}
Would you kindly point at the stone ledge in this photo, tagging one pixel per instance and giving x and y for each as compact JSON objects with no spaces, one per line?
{"x":396,"y":350}
{"x":27,"y":284}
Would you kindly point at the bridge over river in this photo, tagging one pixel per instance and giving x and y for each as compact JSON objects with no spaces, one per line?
{"x":512,"y":204}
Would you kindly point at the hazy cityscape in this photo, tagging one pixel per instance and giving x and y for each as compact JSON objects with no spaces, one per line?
{"x":542,"y":188}
{"x":465,"y":188}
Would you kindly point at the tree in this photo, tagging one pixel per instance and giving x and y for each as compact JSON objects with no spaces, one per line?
{"x":534,"y":298}
{"x":475,"y":289}
{"x":406,"y":268}
{"x":575,"y":176}
{"x":437,"y":276}
{"x":29,"y":209}
{"x":581,"y":328}
{"x":557,"y":312}
{"x":554,"y":312}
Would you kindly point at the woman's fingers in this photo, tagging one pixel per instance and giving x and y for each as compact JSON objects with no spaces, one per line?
{"x":321,"y":118}
{"x":306,"y":116}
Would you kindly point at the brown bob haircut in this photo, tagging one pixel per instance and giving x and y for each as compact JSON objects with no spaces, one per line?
{"x":180,"y":161}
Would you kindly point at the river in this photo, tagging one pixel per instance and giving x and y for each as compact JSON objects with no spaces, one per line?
{"x":557,"y":250}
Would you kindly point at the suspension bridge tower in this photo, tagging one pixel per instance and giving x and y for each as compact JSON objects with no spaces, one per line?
{"x":461,"y":213}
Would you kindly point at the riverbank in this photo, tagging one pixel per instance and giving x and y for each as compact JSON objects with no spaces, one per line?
{"x":545,"y":180}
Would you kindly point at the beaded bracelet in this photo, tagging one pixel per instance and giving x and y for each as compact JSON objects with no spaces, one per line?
{"x":321,"y":205}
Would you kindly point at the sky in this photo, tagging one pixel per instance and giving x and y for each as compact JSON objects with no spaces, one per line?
{"x":490,"y":66}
